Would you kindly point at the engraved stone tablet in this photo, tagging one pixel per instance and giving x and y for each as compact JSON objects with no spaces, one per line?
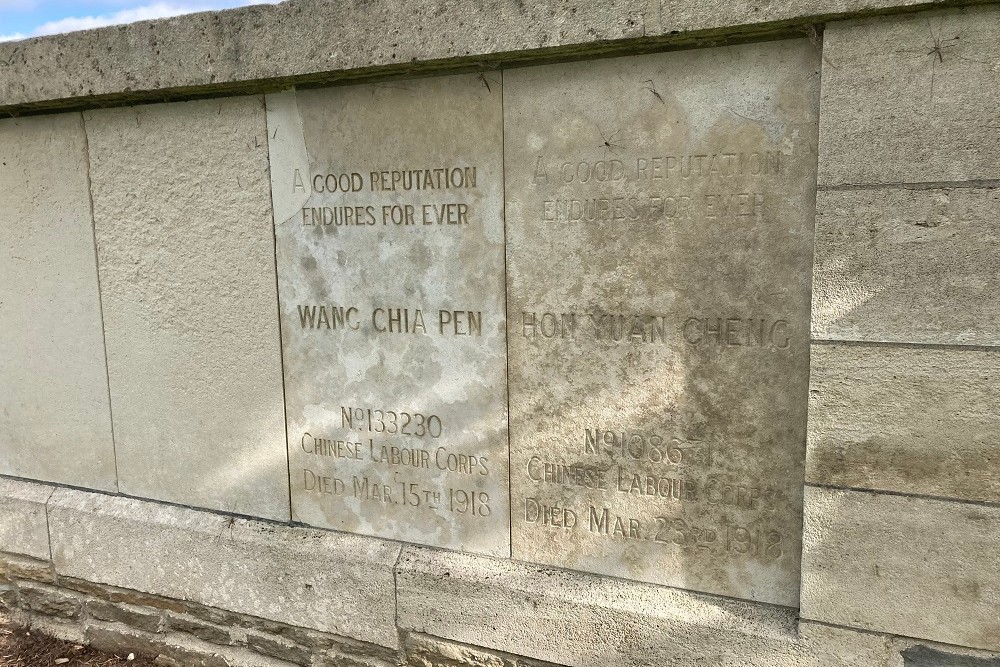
{"x":660,"y":214}
{"x":389,"y":220}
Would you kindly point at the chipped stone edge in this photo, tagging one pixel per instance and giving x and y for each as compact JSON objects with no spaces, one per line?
{"x":28,"y":501}
{"x":288,"y":155}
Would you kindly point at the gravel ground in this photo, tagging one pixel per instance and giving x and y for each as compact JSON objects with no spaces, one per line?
{"x":20,"y":648}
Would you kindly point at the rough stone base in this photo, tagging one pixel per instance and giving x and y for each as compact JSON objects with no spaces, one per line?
{"x":184,"y":634}
{"x":181,"y":633}
{"x":198,"y":588}
{"x":178,"y":632}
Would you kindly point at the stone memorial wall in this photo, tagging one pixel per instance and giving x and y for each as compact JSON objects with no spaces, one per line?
{"x":600,"y":334}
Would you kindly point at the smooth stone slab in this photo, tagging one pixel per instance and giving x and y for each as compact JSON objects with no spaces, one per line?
{"x":55,"y":415}
{"x":23,"y":526}
{"x":905,"y":419}
{"x":320,"y":580}
{"x":905,"y":265}
{"x":911,"y":99}
{"x":186,"y":253}
{"x":903,"y":565}
{"x":658,"y":306}
{"x":394,"y":332}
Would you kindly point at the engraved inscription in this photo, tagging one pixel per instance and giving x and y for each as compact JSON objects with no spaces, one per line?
{"x":696,"y":331}
{"x":625,"y":465}
{"x":676,"y":171}
{"x":330,"y":317}
{"x":353,"y":185}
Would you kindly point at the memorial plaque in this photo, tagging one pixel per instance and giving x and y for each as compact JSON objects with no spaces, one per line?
{"x":660,"y":213}
{"x":389,"y":221}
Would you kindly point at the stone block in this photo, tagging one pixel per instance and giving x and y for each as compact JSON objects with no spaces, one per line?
{"x":911,"y":99}
{"x":8,"y":597}
{"x":317,"y":641}
{"x":123,"y":640}
{"x":23,"y":527}
{"x":820,"y":645}
{"x":122,"y":595}
{"x":203,"y":631}
{"x":659,"y":220}
{"x":16,"y":567}
{"x":579,"y":619}
{"x":227,"y":618}
{"x":666,"y":17}
{"x":55,"y":419}
{"x":337,"y":660}
{"x":186,"y":255}
{"x":352,"y":653}
{"x":48,"y":600}
{"x":427,"y":651}
{"x":332,"y":582}
{"x":67,"y":630}
{"x":907,"y":265}
{"x":279,"y":648}
{"x":134,"y":617}
{"x":902,"y":565}
{"x":250,"y":44}
{"x":391,"y":275}
{"x":906,"y":419}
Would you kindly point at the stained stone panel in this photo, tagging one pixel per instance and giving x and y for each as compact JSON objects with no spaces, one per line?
{"x":660,"y":216}
{"x":389,"y":221}
{"x":914,"y":420}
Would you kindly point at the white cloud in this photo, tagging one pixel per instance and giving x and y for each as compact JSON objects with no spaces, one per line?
{"x":157,"y":10}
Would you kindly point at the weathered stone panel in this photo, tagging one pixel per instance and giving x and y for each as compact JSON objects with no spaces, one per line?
{"x":244,"y":47}
{"x":579,"y":619}
{"x":23,"y":528}
{"x":907,"y":265}
{"x":389,"y":220}
{"x":659,"y":215}
{"x":911,"y":99}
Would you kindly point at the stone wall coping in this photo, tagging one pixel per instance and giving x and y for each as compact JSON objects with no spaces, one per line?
{"x":266,"y":48}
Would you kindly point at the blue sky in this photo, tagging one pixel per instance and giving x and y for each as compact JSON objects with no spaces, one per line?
{"x":29,"y":18}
